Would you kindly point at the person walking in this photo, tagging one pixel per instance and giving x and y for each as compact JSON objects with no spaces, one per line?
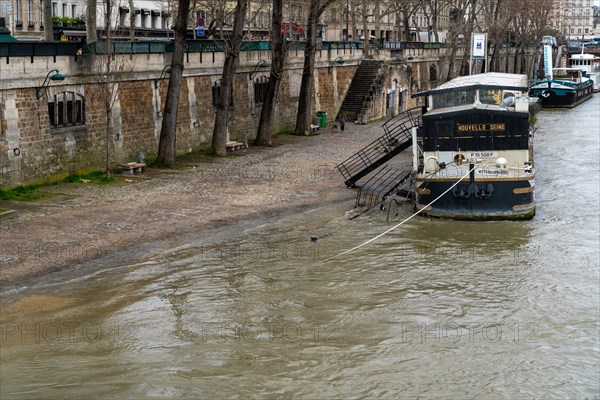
{"x":342,"y":120}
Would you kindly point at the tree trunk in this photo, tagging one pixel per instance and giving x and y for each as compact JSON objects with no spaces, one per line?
{"x":90,"y":22}
{"x":366,"y":32}
{"x":264,"y":136}
{"x":219,"y":139}
{"x":167,"y":144}
{"x":305,"y":100}
{"x":131,"y":20}
{"x":109,"y":92}
{"x":48,"y":29}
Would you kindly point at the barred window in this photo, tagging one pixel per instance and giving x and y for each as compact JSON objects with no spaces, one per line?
{"x":66,"y":109}
{"x":260,"y":88}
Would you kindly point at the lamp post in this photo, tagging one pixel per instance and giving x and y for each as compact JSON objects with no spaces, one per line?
{"x":338,"y":61}
{"x":260,"y":64}
{"x":166,"y":70}
{"x":56,"y":76}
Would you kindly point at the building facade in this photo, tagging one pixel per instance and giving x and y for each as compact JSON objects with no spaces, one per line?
{"x":574,"y":18}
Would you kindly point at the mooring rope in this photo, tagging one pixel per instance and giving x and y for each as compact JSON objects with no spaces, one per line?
{"x":402,"y":222}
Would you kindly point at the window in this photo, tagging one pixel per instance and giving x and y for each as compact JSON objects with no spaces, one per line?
{"x":64,"y":10}
{"x":432,"y":73}
{"x":123,"y":16}
{"x":54,"y":10}
{"x":66,"y":109}
{"x":30,"y":11}
{"x":41,"y":13}
{"x":216,"y":91}
{"x":260,"y":88}
{"x":18,"y":11}
{"x":73,"y":11}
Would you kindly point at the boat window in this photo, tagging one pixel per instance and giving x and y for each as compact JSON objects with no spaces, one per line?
{"x":454,"y":98}
{"x":487,"y":96}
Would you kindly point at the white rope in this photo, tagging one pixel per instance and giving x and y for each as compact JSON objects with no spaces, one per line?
{"x":406,"y":220}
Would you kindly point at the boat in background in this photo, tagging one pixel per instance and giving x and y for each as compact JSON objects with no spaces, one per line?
{"x":566,"y":87}
{"x":561,"y":87}
{"x":588,"y":63}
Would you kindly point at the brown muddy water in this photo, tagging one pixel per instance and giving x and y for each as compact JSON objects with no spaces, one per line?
{"x":435,"y":309}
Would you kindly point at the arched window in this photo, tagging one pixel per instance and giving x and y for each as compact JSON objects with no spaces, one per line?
{"x":432,"y":73}
{"x":260,"y":88}
{"x":66,"y":109}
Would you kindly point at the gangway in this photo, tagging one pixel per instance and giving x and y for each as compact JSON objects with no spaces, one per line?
{"x":396,"y":138}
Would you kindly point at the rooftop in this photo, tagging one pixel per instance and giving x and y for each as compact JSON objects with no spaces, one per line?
{"x":490,"y":80}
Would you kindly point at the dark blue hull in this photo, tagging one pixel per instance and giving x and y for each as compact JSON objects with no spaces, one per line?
{"x":559,"y":97}
{"x":481,"y":200}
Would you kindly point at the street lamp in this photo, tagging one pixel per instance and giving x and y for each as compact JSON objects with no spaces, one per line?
{"x":334,"y":63}
{"x":166,"y":70}
{"x":55,"y":77}
{"x":260,"y":64}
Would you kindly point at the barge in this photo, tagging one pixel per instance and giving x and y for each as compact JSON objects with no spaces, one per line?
{"x":473,"y":153}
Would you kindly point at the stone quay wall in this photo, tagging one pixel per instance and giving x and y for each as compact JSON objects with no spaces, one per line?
{"x":31,"y":150}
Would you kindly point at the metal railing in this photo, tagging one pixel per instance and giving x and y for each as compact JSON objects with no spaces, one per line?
{"x":396,"y":138}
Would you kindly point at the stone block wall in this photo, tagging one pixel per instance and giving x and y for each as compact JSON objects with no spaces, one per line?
{"x":32,"y":150}
{"x":135,"y":122}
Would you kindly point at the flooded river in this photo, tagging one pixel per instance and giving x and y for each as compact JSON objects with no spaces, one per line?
{"x":434,"y":309}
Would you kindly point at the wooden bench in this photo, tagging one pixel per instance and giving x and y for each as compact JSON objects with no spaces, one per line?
{"x":132,"y":168}
{"x":314,"y":128}
{"x":233,"y":146}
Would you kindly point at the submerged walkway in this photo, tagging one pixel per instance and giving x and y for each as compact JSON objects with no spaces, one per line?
{"x":82,"y":222}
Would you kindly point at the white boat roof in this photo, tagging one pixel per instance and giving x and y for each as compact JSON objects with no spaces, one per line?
{"x":491,"y":80}
{"x":584,"y":56}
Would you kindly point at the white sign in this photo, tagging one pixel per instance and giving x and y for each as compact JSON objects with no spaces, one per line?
{"x":548,"y":61}
{"x":491,"y":172}
{"x":483,"y":154}
{"x":452,"y":172}
{"x":479,"y":45}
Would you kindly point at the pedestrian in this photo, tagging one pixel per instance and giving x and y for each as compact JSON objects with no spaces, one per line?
{"x":342,"y":120}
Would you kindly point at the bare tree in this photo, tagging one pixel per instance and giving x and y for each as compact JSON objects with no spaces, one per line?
{"x":460,"y":27}
{"x":431,"y":10}
{"x":110,"y":69}
{"x":407,"y":8}
{"x":219,"y":139}
{"x":305,"y":99}
{"x":167,"y":143}
{"x":264,"y":136}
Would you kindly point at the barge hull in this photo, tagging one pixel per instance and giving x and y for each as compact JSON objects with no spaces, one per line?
{"x":484,"y":200}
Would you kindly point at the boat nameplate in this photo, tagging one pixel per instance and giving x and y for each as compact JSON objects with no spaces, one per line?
{"x":481,"y":127}
{"x":493,"y":172}
{"x":483,"y":154}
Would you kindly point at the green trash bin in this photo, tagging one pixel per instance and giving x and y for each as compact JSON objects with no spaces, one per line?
{"x":322,"y":115}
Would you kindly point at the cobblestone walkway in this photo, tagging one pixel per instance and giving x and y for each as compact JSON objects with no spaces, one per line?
{"x":85,"y":221}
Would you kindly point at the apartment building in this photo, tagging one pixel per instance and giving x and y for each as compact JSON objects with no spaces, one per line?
{"x":342,"y":21}
{"x":574,"y":18}
{"x":24,"y":18}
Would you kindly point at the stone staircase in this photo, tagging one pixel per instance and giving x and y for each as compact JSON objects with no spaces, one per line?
{"x":366,"y":81}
